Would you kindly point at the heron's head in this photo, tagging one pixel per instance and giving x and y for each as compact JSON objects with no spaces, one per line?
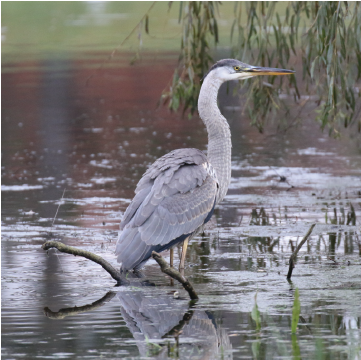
{"x":231,"y":69}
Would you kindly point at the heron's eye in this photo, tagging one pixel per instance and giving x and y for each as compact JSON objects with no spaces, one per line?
{"x":237,"y":68}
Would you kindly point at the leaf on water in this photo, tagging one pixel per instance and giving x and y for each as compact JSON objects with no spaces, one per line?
{"x":295,"y":312}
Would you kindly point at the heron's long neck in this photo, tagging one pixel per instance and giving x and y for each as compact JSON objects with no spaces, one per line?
{"x":219,"y":135}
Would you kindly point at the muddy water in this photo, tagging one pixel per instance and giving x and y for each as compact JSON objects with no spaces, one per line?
{"x":74,"y":144}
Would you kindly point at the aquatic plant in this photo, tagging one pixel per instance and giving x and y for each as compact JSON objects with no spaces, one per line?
{"x":256,"y":315}
{"x":296,"y":309}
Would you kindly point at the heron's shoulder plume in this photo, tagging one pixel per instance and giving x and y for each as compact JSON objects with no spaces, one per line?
{"x":178,"y":158}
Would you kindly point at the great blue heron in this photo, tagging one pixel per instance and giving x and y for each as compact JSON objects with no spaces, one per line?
{"x":177,"y":194}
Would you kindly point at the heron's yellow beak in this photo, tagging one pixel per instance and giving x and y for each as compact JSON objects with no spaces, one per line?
{"x":269,"y":71}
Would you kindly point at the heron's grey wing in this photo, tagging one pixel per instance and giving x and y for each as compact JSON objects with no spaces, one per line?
{"x":163,"y":168}
{"x":179,"y":214}
{"x":179,"y":201}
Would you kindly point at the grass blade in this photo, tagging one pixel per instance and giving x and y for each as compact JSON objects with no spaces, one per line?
{"x":295,"y":311}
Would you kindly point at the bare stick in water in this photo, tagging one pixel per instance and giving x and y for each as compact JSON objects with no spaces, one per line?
{"x":175,"y":274}
{"x":115,"y":274}
{"x":293,"y":256}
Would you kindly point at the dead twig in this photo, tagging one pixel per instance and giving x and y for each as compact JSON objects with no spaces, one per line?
{"x":294,"y":254}
{"x":62,"y":313}
{"x":115,"y":274}
{"x":173,"y":273}
{"x":282,"y":178}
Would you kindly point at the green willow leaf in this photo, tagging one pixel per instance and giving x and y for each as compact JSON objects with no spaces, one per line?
{"x":147,"y":24}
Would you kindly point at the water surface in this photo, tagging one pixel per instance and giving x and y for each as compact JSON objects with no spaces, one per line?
{"x":73,"y":150}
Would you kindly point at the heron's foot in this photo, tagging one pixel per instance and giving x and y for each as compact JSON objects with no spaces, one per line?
{"x":138,"y":274}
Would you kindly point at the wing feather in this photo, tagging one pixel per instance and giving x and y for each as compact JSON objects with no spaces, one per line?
{"x":191,"y":210}
{"x":134,"y":205}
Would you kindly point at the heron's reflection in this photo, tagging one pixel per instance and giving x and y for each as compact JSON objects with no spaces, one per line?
{"x":162,"y":326}
{"x":155,"y":320}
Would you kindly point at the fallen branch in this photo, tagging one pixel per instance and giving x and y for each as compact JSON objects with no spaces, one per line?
{"x":62,"y":313}
{"x":115,"y":274}
{"x":294,"y":254}
{"x":173,"y":273}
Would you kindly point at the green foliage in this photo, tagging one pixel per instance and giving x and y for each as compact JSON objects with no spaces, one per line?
{"x":342,"y":218}
{"x":256,"y":315}
{"x":262,"y":41}
{"x":295,"y":312}
{"x":320,"y":349}
{"x":199,"y":26}
{"x":325,"y":35}
{"x":332,"y":59}
{"x":153,"y":349}
{"x":296,"y":352}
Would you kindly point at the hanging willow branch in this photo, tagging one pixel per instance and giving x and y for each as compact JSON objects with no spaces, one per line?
{"x":325,"y":36}
{"x":332,"y":59}
{"x":199,"y":27}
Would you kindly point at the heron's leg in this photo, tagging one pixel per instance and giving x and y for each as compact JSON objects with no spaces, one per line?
{"x":171,"y":254}
{"x":183,"y":257}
